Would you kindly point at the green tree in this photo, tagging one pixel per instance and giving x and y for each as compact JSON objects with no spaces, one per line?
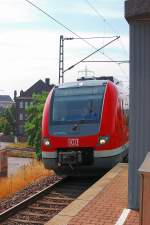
{"x":2,"y":122}
{"x":33,"y":122}
{"x":7,"y":121}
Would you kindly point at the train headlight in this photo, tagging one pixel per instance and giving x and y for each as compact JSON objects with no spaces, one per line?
{"x":46,"y":142}
{"x":103,"y":140}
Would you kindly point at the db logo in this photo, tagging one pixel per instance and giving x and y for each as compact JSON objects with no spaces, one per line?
{"x":73,"y":142}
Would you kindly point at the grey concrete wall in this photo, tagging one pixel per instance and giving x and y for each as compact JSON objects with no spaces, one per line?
{"x":137,"y":9}
{"x":139,"y":104}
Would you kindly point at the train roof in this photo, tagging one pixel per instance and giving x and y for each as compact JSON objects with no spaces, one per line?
{"x":87,"y":82}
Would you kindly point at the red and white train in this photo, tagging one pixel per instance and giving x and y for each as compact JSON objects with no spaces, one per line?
{"x":84,"y":125}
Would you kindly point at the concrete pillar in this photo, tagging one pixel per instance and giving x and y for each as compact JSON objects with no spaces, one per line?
{"x":137,"y":13}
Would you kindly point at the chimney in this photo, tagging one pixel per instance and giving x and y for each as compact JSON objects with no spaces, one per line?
{"x":47,"y":81}
{"x":15,"y":94}
{"x":21,"y":93}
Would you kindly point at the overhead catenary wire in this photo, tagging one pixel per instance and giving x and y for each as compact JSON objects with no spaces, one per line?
{"x":92,"y":37}
{"x":66,"y":27}
{"x":82,"y":60}
{"x":47,"y":14}
{"x":59,"y":23}
{"x":118,"y":61}
{"x":105,"y":21}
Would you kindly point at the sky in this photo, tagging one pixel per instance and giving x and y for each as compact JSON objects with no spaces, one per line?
{"x":29,"y":41}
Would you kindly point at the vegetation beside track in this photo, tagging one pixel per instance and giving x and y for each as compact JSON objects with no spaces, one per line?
{"x":24,"y":176}
{"x":18,"y":145}
{"x":20,"y":154}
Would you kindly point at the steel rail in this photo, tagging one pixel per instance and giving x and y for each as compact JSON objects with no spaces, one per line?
{"x":13,"y":210}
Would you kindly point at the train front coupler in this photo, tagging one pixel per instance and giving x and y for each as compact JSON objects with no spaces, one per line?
{"x":69,"y":158}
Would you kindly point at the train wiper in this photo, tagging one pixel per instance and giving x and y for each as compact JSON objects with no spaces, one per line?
{"x":77,"y":124}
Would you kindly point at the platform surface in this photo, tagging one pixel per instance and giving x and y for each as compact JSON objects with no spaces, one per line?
{"x":104,"y":203}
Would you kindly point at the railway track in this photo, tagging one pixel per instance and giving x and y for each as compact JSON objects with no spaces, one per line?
{"x":44,"y":205}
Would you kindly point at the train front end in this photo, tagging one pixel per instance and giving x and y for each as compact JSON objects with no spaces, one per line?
{"x":71,"y":126}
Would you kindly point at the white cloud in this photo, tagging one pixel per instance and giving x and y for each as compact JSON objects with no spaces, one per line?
{"x":26,"y":56}
{"x":82,"y":8}
{"x":16,"y":11}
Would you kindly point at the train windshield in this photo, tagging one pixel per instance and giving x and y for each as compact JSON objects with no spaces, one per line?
{"x":82,"y":104}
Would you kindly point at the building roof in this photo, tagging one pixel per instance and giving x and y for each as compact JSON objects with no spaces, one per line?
{"x":5,"y":98}
{"x":37,"y":88}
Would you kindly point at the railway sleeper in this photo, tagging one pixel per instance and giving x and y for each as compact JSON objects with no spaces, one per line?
{"x":27,"y":213}
{"x":58,"y":199}
{"x":19,"y":221}
{"x":44,"y":208}
{"x":31,"y":217}
{"x":66,"y":194}
{"x":51,"y":203}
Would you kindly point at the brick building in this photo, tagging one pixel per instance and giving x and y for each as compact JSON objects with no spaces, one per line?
{"x":25,"y":100}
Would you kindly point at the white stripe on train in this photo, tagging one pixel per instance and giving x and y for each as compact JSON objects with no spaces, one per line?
{"x":97,"y":154}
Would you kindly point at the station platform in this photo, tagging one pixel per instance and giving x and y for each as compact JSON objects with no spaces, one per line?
{"x":104,"y":203}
